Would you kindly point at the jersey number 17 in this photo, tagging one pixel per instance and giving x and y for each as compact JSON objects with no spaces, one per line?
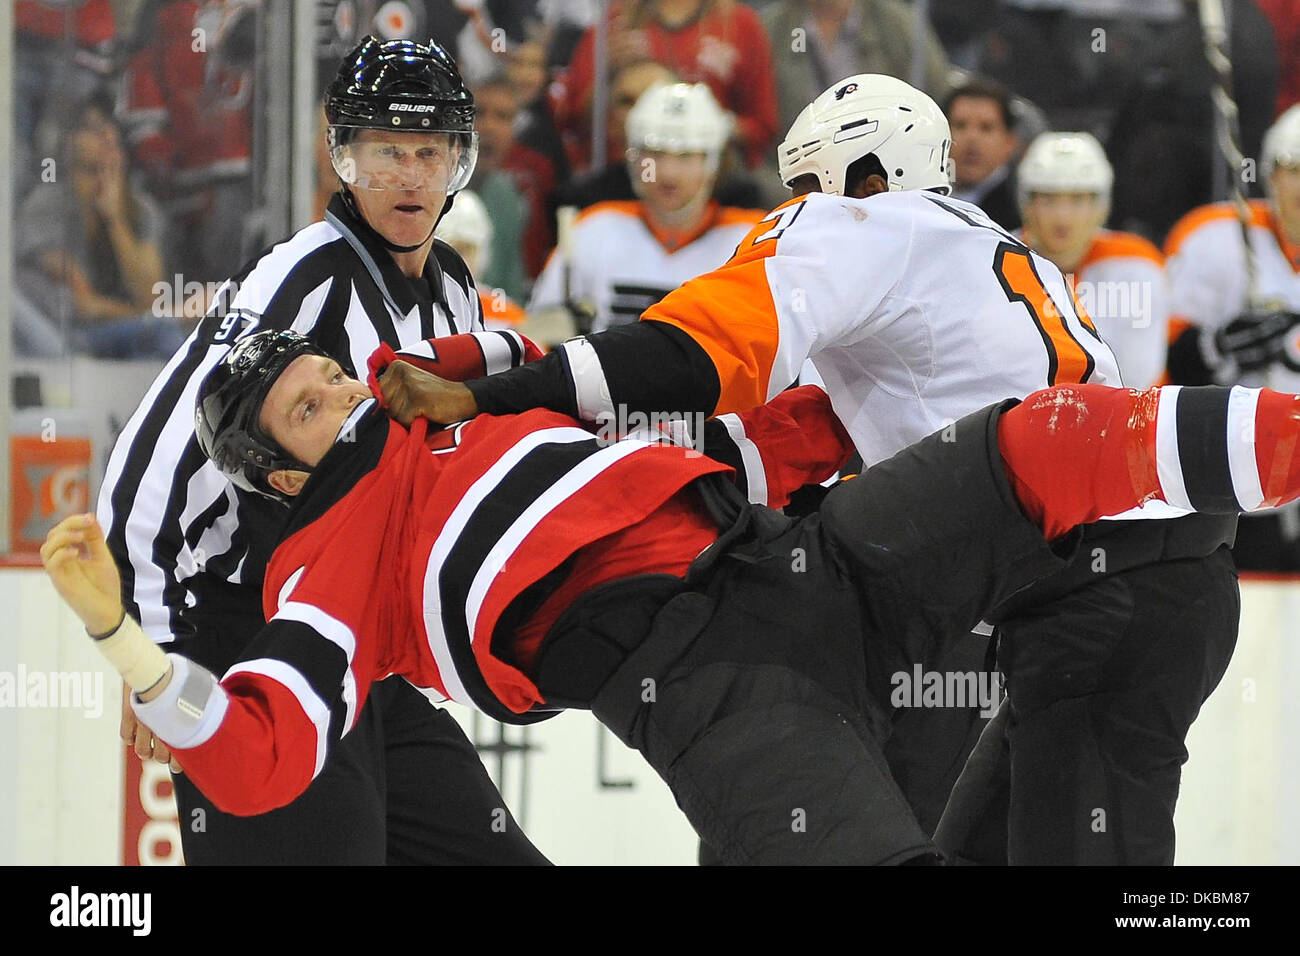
{"x":1067,"y":359}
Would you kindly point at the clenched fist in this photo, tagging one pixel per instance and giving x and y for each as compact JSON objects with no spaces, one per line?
{"x":411,"y":393}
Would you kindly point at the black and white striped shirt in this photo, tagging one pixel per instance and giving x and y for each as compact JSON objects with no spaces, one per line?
{"x":173,"y":521}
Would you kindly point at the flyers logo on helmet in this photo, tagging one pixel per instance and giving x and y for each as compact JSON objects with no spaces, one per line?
{"x":845,"y":90}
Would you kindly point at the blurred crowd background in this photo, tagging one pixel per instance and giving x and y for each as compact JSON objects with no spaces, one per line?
{"x":142,"y":135}
{"x":156,"y":143}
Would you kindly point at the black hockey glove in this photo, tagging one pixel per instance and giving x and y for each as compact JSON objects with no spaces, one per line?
{"x":1255,"y":340}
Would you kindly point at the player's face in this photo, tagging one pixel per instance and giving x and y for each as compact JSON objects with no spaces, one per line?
{"x":1062,"y":223}
{"x":1286,"y":193}
{"x":670,"y":181}
{"x":307,"y":406}
{"x":981,"y":141}
{"x":402,"y":181}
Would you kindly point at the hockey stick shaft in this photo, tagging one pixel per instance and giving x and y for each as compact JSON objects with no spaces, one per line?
{"x":1215,"y":30}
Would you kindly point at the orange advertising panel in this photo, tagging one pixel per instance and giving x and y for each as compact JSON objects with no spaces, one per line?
{"x":50,"y":480}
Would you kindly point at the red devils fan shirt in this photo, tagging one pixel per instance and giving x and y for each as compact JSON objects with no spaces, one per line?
{"x":407,"y":547}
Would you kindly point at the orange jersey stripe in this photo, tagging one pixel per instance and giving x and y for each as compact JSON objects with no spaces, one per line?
{"x":1259,"y":216}
{"x":671,"y":240}
{"x":1177,"y":326}
{"x":730,"y":314}
{"x":1120,"y":245}
{"x":1069,"y":360}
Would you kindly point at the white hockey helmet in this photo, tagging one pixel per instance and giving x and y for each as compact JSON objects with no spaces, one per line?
{"x":869,"y":113}
{"x":1282,"y":142}
{"x":467,"y":224}
{"x":1065,"y":163}
{"x":679,"y":118}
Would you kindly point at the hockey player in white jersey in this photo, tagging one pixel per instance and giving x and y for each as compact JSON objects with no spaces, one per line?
{"x":915,"y":309}
{"x":624,"y":256}
{"x":1235,"y":318}
{"x":1064,"y":188}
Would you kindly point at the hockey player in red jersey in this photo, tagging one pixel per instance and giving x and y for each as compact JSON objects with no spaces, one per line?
{"x":521,"y":564}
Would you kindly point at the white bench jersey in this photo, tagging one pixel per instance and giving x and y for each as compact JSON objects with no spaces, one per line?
{"x":622,"y":266}
{"x":1121,"y":284}
{"x":1206,"y":261}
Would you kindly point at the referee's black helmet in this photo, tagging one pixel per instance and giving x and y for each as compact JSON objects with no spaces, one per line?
{"x":400,"y":85}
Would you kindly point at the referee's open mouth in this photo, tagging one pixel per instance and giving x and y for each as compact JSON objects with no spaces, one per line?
{"x":409,"y":208}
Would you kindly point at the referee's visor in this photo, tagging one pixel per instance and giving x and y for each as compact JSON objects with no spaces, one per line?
{"x":438,"y":161}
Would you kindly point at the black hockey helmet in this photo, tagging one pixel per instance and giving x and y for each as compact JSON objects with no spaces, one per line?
{"x":400,"y":85}
{"x":404,"y":87}
{"x":230,"y":400}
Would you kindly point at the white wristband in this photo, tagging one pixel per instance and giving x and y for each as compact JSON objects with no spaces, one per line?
{"x":140,"y":661}
{"x":189,"y":710}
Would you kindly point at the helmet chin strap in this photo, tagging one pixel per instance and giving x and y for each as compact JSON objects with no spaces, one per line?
{"x":390,"y":246}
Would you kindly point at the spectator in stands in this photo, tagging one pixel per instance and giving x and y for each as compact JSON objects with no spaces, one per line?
{"x":1163,"y":144}
{"x":718,"y":42}
{"x":624,"y":256}
{"x":1074,"y":58}
{"x":1064,"y":188}
{"x":514,"y":183}
{"x":1285,"y":18}
{"x":961,"y":26}
{"x":62,"y":53}
{"x":983,"y":146}
{"x":189,"y":101}
{"x":1223,"y":331}
{"x":816,"y":42}
{"x":87,"y":248}
{"x":529,"y":76}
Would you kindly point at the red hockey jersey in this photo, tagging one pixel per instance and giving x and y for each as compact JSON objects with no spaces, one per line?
{"x":406,"y":549}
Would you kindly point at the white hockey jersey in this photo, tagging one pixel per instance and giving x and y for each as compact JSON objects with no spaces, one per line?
{"x":914,"y":308}
{"x":622,"y":265}
{"x":1121,"y":285}
{"x":1208,"y":279}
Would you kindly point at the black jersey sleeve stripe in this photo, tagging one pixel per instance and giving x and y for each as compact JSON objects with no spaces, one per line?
{"x":719,"y":445}
{"x":650,"y":368}
{"x":517,"y":491}
{"x":319,"y":660}
{"x":516,"y":348}
{"x":1202,"y":418}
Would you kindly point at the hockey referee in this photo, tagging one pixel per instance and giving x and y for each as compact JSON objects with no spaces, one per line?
{"x":406,"y":786}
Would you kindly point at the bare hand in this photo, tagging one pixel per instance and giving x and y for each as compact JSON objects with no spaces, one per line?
{"x":627,"y":46}
{"x":412,"y":393}
{"x":110,"y":198}
{"x":83,"y":571}
{"x":140,"y":738}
